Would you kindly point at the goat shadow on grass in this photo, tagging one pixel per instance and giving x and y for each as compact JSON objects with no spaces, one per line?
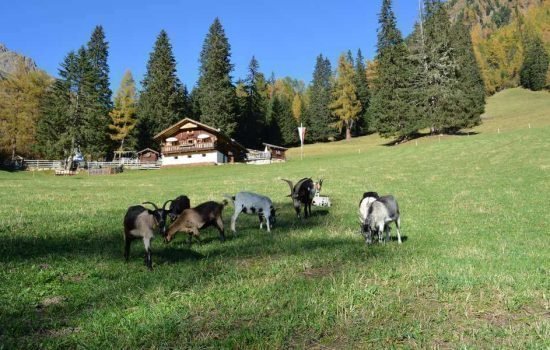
{"x":176,"y":254}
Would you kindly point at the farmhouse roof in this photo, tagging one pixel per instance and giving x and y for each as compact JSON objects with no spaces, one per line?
{"x":183,"y":124}
{"x":275,"y":146}
{"x":147,"y":150}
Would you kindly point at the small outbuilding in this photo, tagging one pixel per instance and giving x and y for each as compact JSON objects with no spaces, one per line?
{"x":277,"y":152}
{"x":148,"y":155}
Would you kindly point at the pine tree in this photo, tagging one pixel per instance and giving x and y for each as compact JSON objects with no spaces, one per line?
{"x":60,"y":130}
{"x":469,"y":92}
{"x":20,"y":96}
{"x":390,"y":107}
{"x":162,"y":99}
{"x":362,"y":84}
{"x":216,"y":92}
{"x":345,"y":105}
{"x":123,"y":116}
{"x":252,"y":119}
{"x":99,"y":104}
{"x":284,"y":120}
{"x":319,"y":118}
{"x":535,"y":65}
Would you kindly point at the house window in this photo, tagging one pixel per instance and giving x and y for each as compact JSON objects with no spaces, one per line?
{"x":176,"y":157}
{"x":188,"y":156}
{"x":204,"y":154}
{"x":190,"y":141}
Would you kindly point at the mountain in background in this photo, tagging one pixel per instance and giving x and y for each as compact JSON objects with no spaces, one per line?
{"x":500,"y":30}
{"x":8,"y":61}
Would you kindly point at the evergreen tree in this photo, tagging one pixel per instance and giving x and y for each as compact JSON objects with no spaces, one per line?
{"x":345,"y":104}
{"x":362,"y":84}
{"x":194,"y":104}
{"x":162,"y":99}
{"x":98,"y":94}
{"x":123,"y":116}
{"x":253,"y":108}
{"x":469,"y":92}
{"x":216,"y":92}
{"x":319,"y":118}
{"x":390,"y":105}
{"x":535,"y":65}
{"x":60,"y":130}
{"x":285,"y":123}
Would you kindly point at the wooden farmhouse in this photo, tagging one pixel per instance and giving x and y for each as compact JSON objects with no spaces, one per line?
{"x":189,"y":142}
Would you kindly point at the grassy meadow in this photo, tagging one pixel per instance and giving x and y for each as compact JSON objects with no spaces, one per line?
{"x":473,"y":270}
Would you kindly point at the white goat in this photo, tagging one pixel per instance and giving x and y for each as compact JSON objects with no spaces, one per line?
{"x":252,"y":203}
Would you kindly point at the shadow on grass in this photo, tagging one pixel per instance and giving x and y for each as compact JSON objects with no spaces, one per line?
{"x":421,"y":135}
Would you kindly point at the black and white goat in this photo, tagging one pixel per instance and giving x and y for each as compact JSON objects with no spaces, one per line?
{"x":252,"y":203}
{"x":140,"y":222}
{"x":381,"y":212}
{"x":194,"y":219}
{"x":302,"y":193}
{"x":177,"y":206}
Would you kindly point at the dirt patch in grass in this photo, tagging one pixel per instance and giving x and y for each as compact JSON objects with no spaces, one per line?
{"x":61,"y":332}
{"x":318,"y":272}
{"x":55,"y":300}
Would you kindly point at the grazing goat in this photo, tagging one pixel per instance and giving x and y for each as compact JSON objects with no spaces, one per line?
{"x":177,"y":206}
{"x":303,"y":193}
{"x":140,"y":222}
{"x":252,"y":203}
{"x":380,"y":214}
{"x":192,"y":220}
{"x":364,"y":204}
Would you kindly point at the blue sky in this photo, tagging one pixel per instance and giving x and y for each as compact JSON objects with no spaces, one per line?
{"x":285,"y":36}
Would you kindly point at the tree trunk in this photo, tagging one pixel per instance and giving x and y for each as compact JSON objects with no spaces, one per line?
{"x":348,"y":133}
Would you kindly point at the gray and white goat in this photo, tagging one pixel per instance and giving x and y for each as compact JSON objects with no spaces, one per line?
{"x":364,"y":204}
{"x":380,"y":214}
{"x":140,"y":222}
{"x":252,"y":203}
{"x":302,"y":193}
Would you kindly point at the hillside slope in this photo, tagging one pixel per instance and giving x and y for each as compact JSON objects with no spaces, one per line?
{"x":508,"y":110}
{"x":500,"y":29}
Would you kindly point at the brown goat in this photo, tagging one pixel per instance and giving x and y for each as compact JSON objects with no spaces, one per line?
{"x":192,"y":220}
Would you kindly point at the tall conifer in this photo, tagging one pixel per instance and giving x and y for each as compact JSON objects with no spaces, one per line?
{"x":362,"y":84}
{"x":162,"y":100}
{"x":319,"y":117}
{"x":216,"y":92}
{"x":389,"y":106}
{"x":535,"y":65}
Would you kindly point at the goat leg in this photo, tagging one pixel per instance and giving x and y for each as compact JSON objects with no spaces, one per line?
{"x":127,"y":243}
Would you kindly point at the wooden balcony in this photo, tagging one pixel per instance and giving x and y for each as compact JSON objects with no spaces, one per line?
{"x":196,"y":147}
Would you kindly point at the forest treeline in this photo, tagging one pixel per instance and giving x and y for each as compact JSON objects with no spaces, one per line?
{"x":435,"y":79}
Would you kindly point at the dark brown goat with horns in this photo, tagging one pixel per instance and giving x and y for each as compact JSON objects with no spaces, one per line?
{"x":302,"y":193}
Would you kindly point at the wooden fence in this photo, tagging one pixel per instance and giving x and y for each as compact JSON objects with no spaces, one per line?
{"x":40,"y":164}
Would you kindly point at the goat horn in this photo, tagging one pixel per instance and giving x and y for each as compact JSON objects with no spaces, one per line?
{"x":290,"y":184}
{"x":164,"y":206}
{"x":153,"y":204}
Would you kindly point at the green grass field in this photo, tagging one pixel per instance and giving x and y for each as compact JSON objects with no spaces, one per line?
{"x":473,"y":272}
